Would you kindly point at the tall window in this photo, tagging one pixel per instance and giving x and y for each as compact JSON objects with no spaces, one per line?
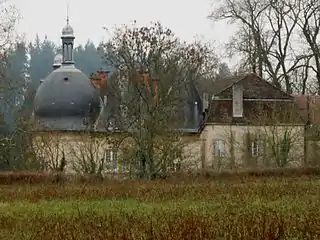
{"x":65,"y":52}
{"x":111,"y":160}
{"x":257,"y":147}
{"x":69,"y":52}
{"x":219,"y":148}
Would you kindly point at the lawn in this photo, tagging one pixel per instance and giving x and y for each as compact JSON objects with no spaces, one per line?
{"x":250,"y":208}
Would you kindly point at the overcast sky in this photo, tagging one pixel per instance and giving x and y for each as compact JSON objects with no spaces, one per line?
{"x":187,"y":18}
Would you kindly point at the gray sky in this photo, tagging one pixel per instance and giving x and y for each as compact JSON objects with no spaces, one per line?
{"x":187,"y":18}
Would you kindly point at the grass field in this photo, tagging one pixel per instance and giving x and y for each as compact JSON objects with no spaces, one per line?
{"x":233,"y":208}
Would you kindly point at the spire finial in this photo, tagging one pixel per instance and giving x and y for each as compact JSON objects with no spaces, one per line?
{"x":68,"y":13}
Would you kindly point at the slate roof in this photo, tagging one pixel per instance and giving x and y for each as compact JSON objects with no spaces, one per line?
{"x":254,"y":87}
{"x":220,"y":111}
{"x":66,"y":94}
{"x":256,"y":113}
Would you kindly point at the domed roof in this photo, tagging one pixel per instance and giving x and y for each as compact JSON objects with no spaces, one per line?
{"x":67,"y":31}
{"x":57,"y":61}
{"x":67,"y":100}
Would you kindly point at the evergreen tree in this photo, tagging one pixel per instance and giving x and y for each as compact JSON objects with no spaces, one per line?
{"x":88,"y":58}
{"x":34,"y":51}
{"x":15,"y":71}
{"x":41,"y":59}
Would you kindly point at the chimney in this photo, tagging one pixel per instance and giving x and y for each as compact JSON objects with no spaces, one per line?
{"x":146,"y":80}
{"x":99,"y":80}
{"x":237,"y":100}
{"x":152,"y":85}
{"x":103,"y":75}
{"x":95,"y":81}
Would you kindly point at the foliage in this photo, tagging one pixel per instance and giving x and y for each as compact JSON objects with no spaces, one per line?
{"x":9,"y":18}
{"x":154,"y":72}
{"x":41,"y":54}
{"x":88,"y":155}
{"x":89,"y":58}
{"x":48,"y":152}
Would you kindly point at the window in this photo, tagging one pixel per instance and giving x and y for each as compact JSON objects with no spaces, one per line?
{"x":69,"y":52}
{"x":257,"y":146}
{"x":111,"y":160}
{"x":65,"y":51}
{"x":125,"y":166}
{"x":176,"y":166}
{"x":219,"y":148}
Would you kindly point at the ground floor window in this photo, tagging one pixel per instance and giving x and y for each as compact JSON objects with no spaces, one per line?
{"x":219,"y":148}
{"x":257,"y":147}
{"x":111,"y":160}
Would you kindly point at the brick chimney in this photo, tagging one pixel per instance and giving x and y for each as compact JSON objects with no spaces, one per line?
{"x":99,"y":80}
{"x":103,"y":75}
{"x":146,"y":80}
{"x":152,"y":85}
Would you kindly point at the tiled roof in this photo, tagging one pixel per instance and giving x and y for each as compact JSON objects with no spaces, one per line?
{"x":255,"y":112}
{"x":222,"y":84}
{"x":216,"y":86}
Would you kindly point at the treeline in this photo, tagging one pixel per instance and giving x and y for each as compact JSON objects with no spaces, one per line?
{"x":28,"y":63}
{"x":33,"y":61}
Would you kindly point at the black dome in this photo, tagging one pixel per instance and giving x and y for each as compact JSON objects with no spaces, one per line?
{"x":67,"y":100}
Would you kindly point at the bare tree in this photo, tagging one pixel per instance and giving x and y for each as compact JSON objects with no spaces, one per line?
{"x":268,"y":35}
{"x":87,"y":154}
{"x":249,"y":14}
{"x":49,"y":151}
{"x":154,"y":70}
{"x":279,"y":44}
{"x":15,"y":141}
{"x":9,"y":17}
{"x":307,"y":15}
{"x":281,"y":135}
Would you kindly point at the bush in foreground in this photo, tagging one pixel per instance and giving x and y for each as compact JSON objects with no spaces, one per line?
{"x":207,"y":175}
